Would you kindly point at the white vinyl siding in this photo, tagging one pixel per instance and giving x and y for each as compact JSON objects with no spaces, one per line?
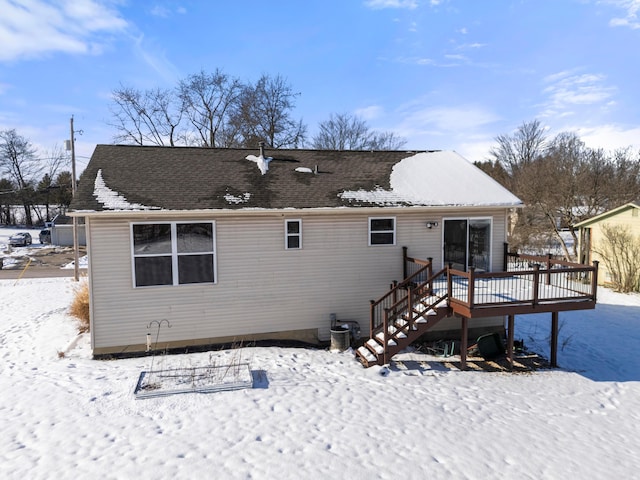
{"x":261,"y":287}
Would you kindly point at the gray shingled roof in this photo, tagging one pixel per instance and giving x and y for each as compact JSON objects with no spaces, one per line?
{"x":189,"y":178}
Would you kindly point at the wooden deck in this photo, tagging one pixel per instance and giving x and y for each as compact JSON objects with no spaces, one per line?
{"x":529,"y":284}
{"x":520,"y":291}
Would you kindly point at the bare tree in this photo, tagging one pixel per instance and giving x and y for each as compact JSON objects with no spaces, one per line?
{"x":343,"y":131}
{"x":561,"y":182}
{"x":264,"y":114}
{"x":520,"y":149}
{"x":149,"y":117}
{"x":620,"y":252}
{"x":208,"y":100}
{"x":19,"y":163}
{"x":386,"y":141}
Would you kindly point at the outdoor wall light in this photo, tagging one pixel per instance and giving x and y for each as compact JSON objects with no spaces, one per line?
{"x":431,"y":224}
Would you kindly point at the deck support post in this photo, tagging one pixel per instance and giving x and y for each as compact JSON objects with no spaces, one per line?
{"x":510,"y":327}
{"x":554,"y":339}
{"x":464,"y":343}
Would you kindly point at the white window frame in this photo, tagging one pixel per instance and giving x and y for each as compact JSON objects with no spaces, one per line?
{"x":174,"y":253}
{"x":395,"y":226}
{"x":287,"y":235}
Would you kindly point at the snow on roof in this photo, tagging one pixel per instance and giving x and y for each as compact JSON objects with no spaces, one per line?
{"x":437,"y":178}
{"x":244,"y":198}
{"x":263,"y":163}
{"x":112,"y":200}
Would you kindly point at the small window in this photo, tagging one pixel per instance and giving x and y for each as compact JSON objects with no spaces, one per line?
{"x":173,"y":253}
{"x":382,"y":231}
{"x":293,"y":234}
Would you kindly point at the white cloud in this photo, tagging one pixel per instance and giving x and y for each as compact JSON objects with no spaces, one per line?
{"x":609,"y":137}
{"x":157,"y":60}
{"x":31,"y":28}
{"x":467,"y":129}
{"x":568,"y":89}
{"x":447,"y":120}
{"x":380,"y":4}
{"x":631,"y":7}
{"x":466,"y":46}
{"x":160,"y":11}
{"x":369,"y":113}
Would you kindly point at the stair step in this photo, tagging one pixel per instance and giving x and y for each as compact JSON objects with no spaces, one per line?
{"x":417,"y":320}
{"x":390,"y":342}
{"x":367,"y":355}
{"x":379,"y":349}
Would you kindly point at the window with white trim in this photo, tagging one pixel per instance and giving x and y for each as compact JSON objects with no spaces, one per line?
{"x":173,"y":253}
{"x":293,"y":234}
{"x":382,"y":231}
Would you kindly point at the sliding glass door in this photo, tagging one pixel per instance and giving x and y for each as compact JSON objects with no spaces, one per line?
{"x":467,"y":243}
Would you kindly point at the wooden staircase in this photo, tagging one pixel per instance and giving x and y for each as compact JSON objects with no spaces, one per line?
{"x":402,"y":315}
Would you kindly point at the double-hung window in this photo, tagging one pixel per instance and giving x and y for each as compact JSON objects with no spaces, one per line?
{"x":382,"y":231}
{"x":173,"y":253}
{"x":293,"y":234}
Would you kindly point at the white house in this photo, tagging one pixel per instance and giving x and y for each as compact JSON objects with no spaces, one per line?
{"x":199,"y":246}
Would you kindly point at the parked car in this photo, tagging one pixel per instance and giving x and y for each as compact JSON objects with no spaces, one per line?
{"x":45,"y":236}
{"x":21,"y":239}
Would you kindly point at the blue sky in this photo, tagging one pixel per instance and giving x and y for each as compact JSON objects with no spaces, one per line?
{"x":444,"y":74}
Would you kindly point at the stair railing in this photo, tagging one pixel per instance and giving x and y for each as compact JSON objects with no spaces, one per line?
{"x":389,"y":299}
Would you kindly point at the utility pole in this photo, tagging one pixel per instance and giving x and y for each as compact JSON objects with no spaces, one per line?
{"x":76,"y":256}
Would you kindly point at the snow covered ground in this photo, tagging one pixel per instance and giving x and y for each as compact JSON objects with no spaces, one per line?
{"x":10,"y":256}
{"x":314,"y":413}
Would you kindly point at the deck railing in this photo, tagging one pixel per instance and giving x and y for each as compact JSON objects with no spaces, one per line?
{"x":529,"y":280}
{"x":418,"y":277}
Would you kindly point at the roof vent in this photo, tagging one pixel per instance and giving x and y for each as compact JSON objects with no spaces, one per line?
{"x":261,"y":161}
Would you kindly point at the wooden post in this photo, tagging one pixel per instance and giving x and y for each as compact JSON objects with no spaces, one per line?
{"x":464,"y":341}
{"x":471,"y":279}
{"x":405,"y":272}
{"x":554,"y":339}
{"x":510,"y":328}
{"x":372,"y":315}
{"x":385,"y":336}
{"x":594,"y":280}
{"x":410,"y":309}
{"x":505,"y":257}
{"x":536,"y":284}
{"x":549,"y":257}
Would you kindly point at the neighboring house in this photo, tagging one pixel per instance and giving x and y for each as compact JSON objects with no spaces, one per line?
{"x":198,"y":246}
{"x":591,"y":237}
{"x":62,"y":231}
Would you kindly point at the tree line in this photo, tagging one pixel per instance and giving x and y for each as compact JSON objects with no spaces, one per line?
{"x":214,"y":109}
{"x":561,"y":182}
{"x":31,"y":181}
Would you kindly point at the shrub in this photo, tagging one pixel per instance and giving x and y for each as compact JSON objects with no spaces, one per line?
{"x":80,"y":305}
